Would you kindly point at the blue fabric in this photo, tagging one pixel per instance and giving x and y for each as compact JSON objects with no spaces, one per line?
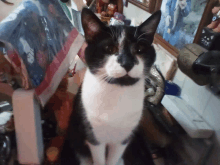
{"x":172,"y":89}
{"x":37,"y":30}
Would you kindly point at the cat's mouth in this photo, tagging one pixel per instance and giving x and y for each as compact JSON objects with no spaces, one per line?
{"x":123,"y":81}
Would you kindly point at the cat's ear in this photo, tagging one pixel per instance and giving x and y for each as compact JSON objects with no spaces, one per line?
{"x":149,"y":27}
{"x":92,"y":25}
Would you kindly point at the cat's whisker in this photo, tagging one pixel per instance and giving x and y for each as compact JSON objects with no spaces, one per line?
{"x":108,"y":79}
{"x":102,"y":76}
{"x":104,"y":79}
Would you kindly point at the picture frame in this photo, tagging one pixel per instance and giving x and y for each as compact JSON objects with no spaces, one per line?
{"x":150,"y":7}
{"x":155,"y":5}
{"x":205,"y":20}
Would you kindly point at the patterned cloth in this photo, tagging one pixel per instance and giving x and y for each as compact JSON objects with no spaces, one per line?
{"x":38,"y":36}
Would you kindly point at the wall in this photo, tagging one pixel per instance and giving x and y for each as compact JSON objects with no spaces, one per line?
{"x":199,"y":97}
{"x":133,"y":12}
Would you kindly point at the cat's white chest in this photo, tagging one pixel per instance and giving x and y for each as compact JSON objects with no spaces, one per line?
{"x":112,"y":110}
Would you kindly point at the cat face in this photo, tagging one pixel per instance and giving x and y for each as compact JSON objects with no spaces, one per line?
{"x":119,"y":54}
{"x":206,"y":39}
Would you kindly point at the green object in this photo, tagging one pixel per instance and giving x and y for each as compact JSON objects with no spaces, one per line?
{"x":65,"y":9}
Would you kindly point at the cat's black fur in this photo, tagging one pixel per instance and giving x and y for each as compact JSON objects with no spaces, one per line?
{"x":101,"y":44}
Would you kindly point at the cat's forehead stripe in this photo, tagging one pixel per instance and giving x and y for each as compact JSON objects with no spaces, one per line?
{"x":121,"y":40}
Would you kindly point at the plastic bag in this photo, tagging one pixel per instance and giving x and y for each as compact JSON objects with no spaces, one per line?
{"x":38,"y":36}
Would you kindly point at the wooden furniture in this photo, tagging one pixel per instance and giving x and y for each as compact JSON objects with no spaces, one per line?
{"x":147,"y":5}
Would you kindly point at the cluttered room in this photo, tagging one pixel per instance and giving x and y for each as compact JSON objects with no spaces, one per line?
{"x":109,"y":82}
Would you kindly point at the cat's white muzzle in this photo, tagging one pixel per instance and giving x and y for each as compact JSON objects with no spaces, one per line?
{"x":115,"y":70}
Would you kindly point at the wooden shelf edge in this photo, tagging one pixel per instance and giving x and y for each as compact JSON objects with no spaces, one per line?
{"x":138,"y":4}
{"x":171,"y":49}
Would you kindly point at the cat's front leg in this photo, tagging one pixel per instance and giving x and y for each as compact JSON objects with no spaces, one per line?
{"x":115,"y":152}
{"x":98,"y":153}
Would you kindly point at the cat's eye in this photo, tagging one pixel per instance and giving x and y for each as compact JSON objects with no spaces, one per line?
{"x":109,"y":49}
{"x":140,"y":49}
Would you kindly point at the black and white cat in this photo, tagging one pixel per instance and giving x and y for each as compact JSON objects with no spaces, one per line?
{"x":109,"y":104}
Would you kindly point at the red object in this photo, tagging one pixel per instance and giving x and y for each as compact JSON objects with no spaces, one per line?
{"x":73,"y":71}
{"x":101,"y":6}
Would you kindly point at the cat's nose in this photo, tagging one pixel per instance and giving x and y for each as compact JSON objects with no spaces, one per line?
{"x":127,"y":66}
{"x":127,"y":62}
